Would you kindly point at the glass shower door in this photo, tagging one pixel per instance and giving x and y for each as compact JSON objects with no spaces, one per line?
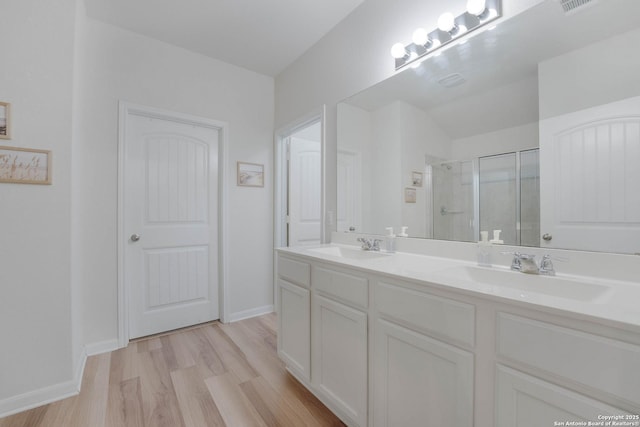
{"x":452,"y":201}
{"x":509,"y":196}
{"x":530,"y":198}
{"x":498,"y":194}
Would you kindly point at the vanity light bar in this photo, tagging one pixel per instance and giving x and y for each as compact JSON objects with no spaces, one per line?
{"x":450,"y":28}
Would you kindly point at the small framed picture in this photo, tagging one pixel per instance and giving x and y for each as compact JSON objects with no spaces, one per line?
{"x":5,"y":120}
{"x":409,"y":195}
{"x":250,"y":174}
{"x":25,"y":166}
{"x":416,"y":179}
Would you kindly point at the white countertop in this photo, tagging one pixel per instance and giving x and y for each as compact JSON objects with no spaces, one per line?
{"x":612,"y":300}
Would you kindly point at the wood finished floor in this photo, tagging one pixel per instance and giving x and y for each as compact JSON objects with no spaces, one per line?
{"x":209,"y":375}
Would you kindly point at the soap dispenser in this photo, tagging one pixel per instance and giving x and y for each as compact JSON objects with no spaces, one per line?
{"x":484,"y":250}
{"x":496,"y":237}
{"x":390,"y":241}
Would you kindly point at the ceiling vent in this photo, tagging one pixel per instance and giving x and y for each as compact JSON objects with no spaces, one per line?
{"x":571,"y":6}
{"x":452,"y":80}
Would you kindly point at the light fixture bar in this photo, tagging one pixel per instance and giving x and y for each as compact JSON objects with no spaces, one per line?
{"x":448,"y":30}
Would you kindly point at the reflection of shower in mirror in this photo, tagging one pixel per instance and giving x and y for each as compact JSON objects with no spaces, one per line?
{"x":445,"y":211}
{"x":491,"y":192}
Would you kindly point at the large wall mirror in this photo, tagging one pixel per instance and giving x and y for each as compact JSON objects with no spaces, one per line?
{"x":531,"y":128}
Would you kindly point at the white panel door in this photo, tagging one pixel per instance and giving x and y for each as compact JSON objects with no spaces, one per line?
{"x":420,"y":381}
{"x":349,"y":197}
{"x":304,"y":192}
{"x":339,"y":366}
{"x":589,"y":178}
{"x":171,"y":216}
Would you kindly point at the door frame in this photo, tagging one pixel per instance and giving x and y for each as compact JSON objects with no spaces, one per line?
{"x":280,"y":172}
{"x":125,"y":110}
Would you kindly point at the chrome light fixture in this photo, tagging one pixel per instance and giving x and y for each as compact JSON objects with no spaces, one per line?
{"x":450,"y":28}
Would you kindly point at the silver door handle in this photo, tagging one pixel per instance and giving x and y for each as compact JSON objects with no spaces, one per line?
{"x":547,"y":237}
{"x":135,"y":237}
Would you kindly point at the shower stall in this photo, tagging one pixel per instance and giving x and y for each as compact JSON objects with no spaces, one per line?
{"x":499,"y":192}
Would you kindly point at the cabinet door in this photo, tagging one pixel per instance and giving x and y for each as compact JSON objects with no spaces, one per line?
{"x":420,"y":381}
{"x":294,"y":329}
{"x":340,"y":356}
{"x":526,"y":401}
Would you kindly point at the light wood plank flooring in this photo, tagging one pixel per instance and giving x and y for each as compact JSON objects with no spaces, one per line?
{"x":208,"y":375}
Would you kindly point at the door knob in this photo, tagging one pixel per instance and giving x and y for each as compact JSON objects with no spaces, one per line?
{"x":135,"y":237}
{"x":547,"y":237}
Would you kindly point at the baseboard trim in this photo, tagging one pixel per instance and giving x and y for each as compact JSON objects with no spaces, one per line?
{"x":101,"y":347}
{"x":247,"y":314}
{"x":45,"y":395}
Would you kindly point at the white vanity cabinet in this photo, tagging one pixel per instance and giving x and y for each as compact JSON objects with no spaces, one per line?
{"x":339,"y":340}
{"x":294,"y":316}
{"x":384,"y":350}
{"x":323,"y":333}
{"x":586,"y":361}
{"x":420,"y":379}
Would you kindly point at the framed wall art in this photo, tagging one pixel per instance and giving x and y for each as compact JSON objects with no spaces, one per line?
{"x":416,"y":179}
{"x":5,"y":120}
{"x":409,"y":195}
{"x":25,"y":166}
{"x":250,"y":174}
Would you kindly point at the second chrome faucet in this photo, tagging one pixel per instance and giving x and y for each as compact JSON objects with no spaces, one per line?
{"x":526,"y":263}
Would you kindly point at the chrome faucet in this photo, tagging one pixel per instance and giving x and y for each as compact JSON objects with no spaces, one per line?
{"x":369,"y":244}
{"x":526,"y":263}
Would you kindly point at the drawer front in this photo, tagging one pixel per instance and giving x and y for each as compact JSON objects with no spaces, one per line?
{"x":440,"y":316}
{"x":294,"y":271}
{"x":344,"y":286}
{"x":598,"y":362}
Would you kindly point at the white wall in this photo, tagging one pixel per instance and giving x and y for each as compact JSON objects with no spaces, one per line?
{"x":421,"y":136}
{"x":35,"y":239}
{"x":354,"y":126}
{"x":501,"y":141}
{"x":563,"y":79}
{"x":120,"y":65}
{"x":351,"y":57}
{"x":64,"y":75}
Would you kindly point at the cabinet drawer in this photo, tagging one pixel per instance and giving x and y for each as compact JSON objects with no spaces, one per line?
{"x":294,"y":271}
{"x":601,"y":363}
{"x":441,"y":316}
{"x":344,"y":286}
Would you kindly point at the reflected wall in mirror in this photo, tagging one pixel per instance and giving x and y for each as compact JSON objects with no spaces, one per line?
{"x":565,"y":84}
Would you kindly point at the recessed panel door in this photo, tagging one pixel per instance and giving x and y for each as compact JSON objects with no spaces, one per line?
{"x":171,"y":199}
{"x":304,"y":192}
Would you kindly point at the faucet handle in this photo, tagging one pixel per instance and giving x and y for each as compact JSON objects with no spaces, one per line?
{"x":515,"y":262}
{"x":376,"y":244}
{"x":546,"y":266}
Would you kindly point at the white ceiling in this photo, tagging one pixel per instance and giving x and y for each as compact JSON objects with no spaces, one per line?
{"x":263,"y":36}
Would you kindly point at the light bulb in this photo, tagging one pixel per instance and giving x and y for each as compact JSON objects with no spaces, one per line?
{"x":420,"y":37}
{"x":446,"y":22}
{"x":398,"y":51}
{"x":476,"y":7}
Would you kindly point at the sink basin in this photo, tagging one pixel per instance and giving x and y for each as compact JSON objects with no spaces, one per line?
{"x":348,"y":253}
{"x":574,"y":289}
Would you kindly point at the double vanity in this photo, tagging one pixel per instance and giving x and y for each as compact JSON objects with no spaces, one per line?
{"x":412,"y":339}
